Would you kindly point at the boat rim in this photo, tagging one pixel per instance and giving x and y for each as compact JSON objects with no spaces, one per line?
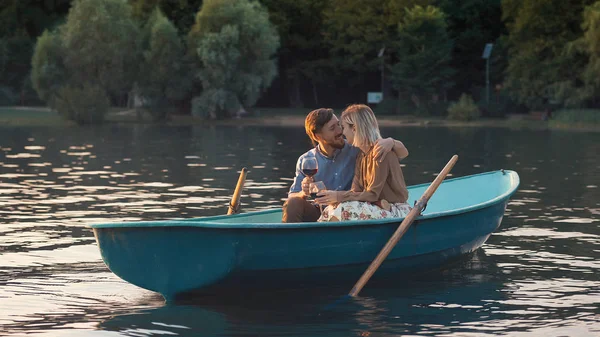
{"x":213,"y":221}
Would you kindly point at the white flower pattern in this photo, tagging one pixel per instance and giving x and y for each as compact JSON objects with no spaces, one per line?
{"x":361,"y":210}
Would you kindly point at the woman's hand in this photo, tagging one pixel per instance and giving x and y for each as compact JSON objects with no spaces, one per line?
{"x":327,"y":197}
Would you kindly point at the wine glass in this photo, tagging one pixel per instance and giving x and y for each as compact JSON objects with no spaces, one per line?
{"x":309,"y":166}
{"x":315,"y":187}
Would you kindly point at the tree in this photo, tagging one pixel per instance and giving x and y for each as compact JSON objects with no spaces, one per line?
{"x":424,"y":52}
{"x":357,"y":30}
{"x":303,"y":55}
{"x":21,"y":22}
{"x":49,"y":73}
{"x":180,"y":12}
{"x":102,"y":44}
{"x":92,"y":57}
{"x":540,"y":72}
{"x":472,"y":24}
{"x":589,"y":45}
{"x":164,"y":76}
{"x":234,"y":42}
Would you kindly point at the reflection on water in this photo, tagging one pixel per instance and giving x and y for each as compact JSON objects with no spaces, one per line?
{"x":538,"y":274}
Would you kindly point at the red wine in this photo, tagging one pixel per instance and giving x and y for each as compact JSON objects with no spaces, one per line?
{"x":309,"y":172}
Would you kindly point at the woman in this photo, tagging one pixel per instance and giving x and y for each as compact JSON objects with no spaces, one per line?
{"x":378,"y":189}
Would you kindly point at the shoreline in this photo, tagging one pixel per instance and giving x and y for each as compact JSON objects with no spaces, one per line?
{"x":284,"y":117}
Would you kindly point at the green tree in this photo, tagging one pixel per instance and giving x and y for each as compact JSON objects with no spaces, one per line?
{"x":540,"y":72}
{"x":472,"y":24}
{"x":21,"y":22}
{"x":164,"y":75}
{"x":94,"y":56}
{"x":589,"y":46}
{"x":102,"y":44}
{"x":357,"y":30}
{"x":235,"y":42}
{"x":49,"y":73}
{"x":424,"y":52}
{"x":303,"y":55}
{"x":180,"y":12}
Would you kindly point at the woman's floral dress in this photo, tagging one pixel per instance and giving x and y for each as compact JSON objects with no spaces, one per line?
{"x":362,"y":210}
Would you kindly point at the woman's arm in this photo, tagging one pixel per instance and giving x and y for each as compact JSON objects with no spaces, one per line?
{"x":371,"y":192}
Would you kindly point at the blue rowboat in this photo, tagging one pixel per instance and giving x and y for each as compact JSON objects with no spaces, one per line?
{"x":256,"y":251}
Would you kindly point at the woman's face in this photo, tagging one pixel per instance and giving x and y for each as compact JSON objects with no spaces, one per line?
{"x":348,"y":130}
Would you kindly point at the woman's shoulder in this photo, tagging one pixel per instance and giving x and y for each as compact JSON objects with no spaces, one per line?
{"x":390,"y":158}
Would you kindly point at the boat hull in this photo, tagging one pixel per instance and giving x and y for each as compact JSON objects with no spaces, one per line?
{"x":178,"y":259}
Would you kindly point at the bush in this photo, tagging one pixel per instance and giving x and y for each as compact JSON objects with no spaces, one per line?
{"x":464,"y":110}
{"x":215,"y":103}
{"x":571,"y":116}
{"x":84,"y":105}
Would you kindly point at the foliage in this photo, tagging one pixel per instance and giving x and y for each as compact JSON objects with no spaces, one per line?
{"x":48,"y":73}
{"x":464,"y":110}
{"x":180,"y":12}
{"x":102,"y":44}
{"x":588,"y":45}
{"x":85,"y":104}
{"x":583,"y":116}
{"x":164,"y":77}
{"x":471,"y":25}
{"x":424,"y":51}
{"x":21,"y":22}
{"x":96,"y":52}
{"x":539,"y":71}
{"x":234,"y":42}
{"x":303,"y":55}
{"x":357,"y":30}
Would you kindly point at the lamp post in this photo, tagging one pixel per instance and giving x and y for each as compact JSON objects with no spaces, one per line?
{"x":380,"y":55}
{"x":487,"y":51}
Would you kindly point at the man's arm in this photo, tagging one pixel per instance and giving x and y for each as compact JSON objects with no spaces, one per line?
{"x":383,"y":146}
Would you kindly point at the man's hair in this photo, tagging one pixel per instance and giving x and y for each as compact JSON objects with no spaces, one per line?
{"x":367,"y":129}
{"x":315,"y":121}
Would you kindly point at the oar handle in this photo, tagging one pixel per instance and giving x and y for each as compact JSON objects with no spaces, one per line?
{"x":385,"y":251}
{"x":235,"y":200}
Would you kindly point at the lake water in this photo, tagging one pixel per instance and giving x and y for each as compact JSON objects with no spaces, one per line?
{"x":538,"y":275}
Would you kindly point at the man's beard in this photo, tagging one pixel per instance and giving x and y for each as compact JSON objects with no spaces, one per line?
{"x":339,"y":145}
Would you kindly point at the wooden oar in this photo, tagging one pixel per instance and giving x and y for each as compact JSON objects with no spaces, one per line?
{"x":234,"y":205}
{"x":415,"y":212}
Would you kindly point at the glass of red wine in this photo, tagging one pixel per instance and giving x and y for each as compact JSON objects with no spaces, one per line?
{"x":309,"y":166}
{"x":316,"y":187}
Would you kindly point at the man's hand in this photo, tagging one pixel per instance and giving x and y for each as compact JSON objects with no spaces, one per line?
{"x":306,"y":184}
{"x":382,"y":147}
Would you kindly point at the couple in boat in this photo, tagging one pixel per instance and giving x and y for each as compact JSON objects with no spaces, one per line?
{"x":360,"y":171}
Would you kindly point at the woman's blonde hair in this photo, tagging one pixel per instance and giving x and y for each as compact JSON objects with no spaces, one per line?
{"x":363,"y":118}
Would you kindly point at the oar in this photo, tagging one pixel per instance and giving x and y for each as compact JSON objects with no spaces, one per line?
{"x":234,"y":205}
{"x":385,"y":251}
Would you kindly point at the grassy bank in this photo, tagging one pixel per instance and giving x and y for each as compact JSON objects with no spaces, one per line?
{"x":41,"y":116}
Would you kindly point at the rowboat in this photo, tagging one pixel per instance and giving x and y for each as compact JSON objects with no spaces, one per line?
{"x":255,"y":250}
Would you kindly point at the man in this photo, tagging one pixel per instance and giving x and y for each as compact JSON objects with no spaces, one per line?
{"x":336,"y":160}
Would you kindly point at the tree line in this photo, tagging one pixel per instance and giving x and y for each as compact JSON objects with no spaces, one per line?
{"x":212,"y":58}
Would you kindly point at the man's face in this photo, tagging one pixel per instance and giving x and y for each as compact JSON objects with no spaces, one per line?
{"x":331,"y":134}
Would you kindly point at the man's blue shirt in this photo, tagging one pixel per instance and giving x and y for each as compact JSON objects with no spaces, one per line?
{"x":336,"y":172}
